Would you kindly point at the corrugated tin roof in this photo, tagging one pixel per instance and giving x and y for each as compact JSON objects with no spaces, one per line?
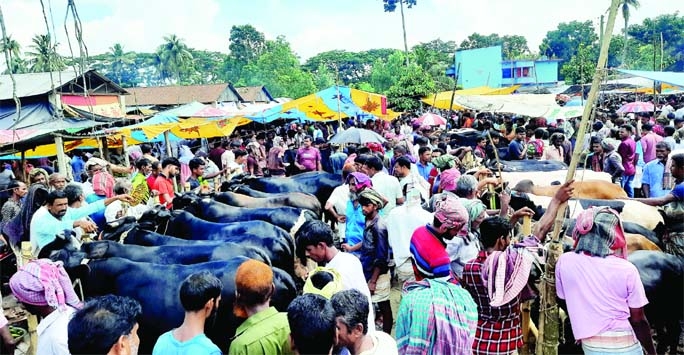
{"x":174,"y":95}
{"x":251,"y":93}
{"x":33,"y":84}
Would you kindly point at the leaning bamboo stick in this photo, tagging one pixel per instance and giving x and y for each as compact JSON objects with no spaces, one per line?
{"x":547,"y":343}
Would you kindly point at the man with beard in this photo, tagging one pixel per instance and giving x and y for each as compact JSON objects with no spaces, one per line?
{"x":200,"y":295}
{"x":164,"y":182}
{"x":56,"y":216}
{"x":265,"y":331}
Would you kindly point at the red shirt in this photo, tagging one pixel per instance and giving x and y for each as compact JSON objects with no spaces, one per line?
{"x":165,"y":186}
{"x":150,"y":181}
{"x":498,"y":328}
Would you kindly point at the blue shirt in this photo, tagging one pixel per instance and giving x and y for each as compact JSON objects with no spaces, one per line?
{"x":44,"y":226}
{"x":199,"y":345}
{"x":515,"y":149}
{"x":77,"y":165}
{"x":97,"y":216}
{"x":653,"y":177}
{"x":424,"y":170}
{"x":337,"y":162}
{"x":356,"y":223}
{"x":678,"y":191}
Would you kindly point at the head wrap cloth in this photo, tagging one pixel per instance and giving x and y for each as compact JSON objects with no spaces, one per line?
{"x":43,"y":282}
{"x":599,"y":232}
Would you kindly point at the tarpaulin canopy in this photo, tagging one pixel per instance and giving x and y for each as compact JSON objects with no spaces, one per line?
{"x":669,"y":77}
{"x":333,"y":103}
{"x":521,"y":104}
{"x":193,"y":120}
{"x":442,"y":100}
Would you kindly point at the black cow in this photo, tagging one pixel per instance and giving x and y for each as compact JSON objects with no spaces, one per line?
{"x":156,"y":286}
{"x":319,"y":184}
{"x":662,"y":275}
{"x":510,"y":166}
{"x":207,"y":209}
{"x":278,"y":249}
{"x":172,"y":254}
{"x":291,"y":199}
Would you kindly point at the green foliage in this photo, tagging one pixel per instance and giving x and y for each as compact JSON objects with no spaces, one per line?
{"x":581,"y":67}
{"x":174,"y":58}
{"x":246,"y":44}
{"x":386,"y":73}
{"x":413,"y":85}
{"x":671,"y":26}
{"x":118,"y":60}
{"x":279,"y":70}
{"x":513,"y":47}
{"x":44,"y":57}
{"x":323,"y":78}
{"x":564,"y":42}
{"x":391,"y":5}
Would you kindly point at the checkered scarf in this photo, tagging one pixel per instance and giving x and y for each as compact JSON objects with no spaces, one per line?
{"x":43,"y":282}
{"x":599,"y":232}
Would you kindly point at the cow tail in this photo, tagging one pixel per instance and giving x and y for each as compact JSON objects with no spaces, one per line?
{"x":301,"y":270}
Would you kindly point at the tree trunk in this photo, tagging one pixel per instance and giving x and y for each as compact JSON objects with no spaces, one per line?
{"x":624,"y":48}
{"x":547,"y":344}
{"x":403,"y":27}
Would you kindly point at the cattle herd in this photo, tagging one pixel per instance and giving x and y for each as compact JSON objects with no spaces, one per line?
{"x":257,"y":218}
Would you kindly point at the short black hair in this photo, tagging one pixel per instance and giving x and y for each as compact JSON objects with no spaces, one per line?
{"x":312,"y":324}
{"x":195,"y":163}
{"x":363,"y":150}
{"x":374,"y":163}
{"x":239,"y":153}
{"x":422,"y":150}
{"x":440,"y":150}
{"x":669,"y":131}
{"x":492,"y":229}
{"x":170,"y":161}
{"x":313,"y":232}
{"x":96,"y":327}
{"x":595,"y":140}
{"x":54,"y":195}
{"x":647,"y":127}
{"x":480,"y":139}
{"x":321,"y":278}
{"x":361,"y":159}
{"x":352,"y":307}
{"x":141,"y":163}
{"x":421,"y":141}
{"x":13,"y":184}
{"x":539,"y":133}
{"x":73,"y":193}
{"x":145,"y":148}
{"x":628,"y":127}
{"x":520,"y":129}
{"x":403,"y":162}
{"x":199,"y":288}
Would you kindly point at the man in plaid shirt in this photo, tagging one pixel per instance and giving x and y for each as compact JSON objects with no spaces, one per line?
{"x":498,"y":326}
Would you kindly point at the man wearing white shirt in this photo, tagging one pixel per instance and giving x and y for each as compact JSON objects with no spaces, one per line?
{"x":388,"y":186}
{"x":315,"y":239}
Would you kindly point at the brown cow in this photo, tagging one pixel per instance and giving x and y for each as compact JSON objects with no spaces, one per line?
{"x":639,"y":242}
{"x":590,"y":189}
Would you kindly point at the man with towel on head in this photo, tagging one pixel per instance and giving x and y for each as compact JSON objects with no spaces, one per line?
{"x":603,"y":291}
{"x":44,"y":288}
{"x":497,"y":278}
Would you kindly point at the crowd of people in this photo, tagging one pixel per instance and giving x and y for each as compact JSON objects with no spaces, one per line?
{"x":410,"y":260}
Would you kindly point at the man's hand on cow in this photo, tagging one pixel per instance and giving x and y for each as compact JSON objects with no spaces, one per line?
{"x":565,"y":192}
{"x":485,"y":172}
{"x":505,"y":198}
{"x":345,"y":247}
{"x":342,"y":218}
{"x":525,"y":211}
{"x":87,"y":226}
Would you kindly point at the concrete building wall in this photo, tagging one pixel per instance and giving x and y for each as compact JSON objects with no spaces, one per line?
{"x":479,"y":67}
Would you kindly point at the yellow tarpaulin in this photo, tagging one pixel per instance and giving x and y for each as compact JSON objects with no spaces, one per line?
{"x":313,"y":107}
{"x":443,"y":99}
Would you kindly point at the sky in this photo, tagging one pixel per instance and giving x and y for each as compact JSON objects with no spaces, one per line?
{"x":311,"y":26}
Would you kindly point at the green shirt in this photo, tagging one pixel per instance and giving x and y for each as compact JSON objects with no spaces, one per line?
{"x":266,"y":332}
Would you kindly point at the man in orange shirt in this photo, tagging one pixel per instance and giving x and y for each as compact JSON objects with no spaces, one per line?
{"x":164,"y":182}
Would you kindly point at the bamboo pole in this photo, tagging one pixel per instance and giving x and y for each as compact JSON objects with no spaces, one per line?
{"x":124,"y":146}
{"x":61,"y":162}
{"x":547,"y":342}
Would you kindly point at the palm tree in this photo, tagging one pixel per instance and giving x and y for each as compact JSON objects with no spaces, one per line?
{"x":44,"y":57}
{"x":117,"y":60}
{"x":390,"y":6}
{"x":16,"y":64}
{"x":12,"y":46}
{"x":625,"y":14}
{"x":175,"y":56}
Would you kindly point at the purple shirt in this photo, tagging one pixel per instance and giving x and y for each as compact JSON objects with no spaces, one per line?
{"x":648,"y":143}
{"x":627,"y":151}
{"x":308,"y":157}
{"x":599,"y":292}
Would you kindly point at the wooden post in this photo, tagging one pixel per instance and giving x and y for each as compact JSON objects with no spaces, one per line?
{"x":61,"y":162}
{"x":124,"y":146}
{"x":547,"y":343}
{"x":24,"y":176}
{"x":105,"y":148}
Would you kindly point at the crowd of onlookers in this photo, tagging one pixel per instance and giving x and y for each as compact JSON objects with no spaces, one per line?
{"x":408,"y":248}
